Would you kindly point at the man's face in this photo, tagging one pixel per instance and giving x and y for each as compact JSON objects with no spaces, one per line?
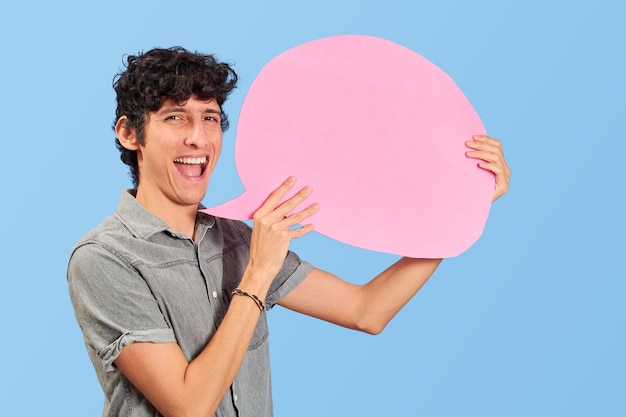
{"x":182,"y":143}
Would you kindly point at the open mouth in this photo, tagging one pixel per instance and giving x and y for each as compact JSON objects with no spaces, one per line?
{"x":191,"y":167}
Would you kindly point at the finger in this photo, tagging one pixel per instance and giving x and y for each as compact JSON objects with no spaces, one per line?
{"x":277,"y":195}
{"x":501,"y":171}
{"x":487,"y":149}
{"x":301,"y":231}
{"x":297,"y":218}
{"x":495,"y":168}
{"x":486,"y":140}
{"x":289,"y":205}
{"x":485,"y":144}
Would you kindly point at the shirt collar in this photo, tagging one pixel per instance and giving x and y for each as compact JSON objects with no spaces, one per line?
{"x":142,"y":224}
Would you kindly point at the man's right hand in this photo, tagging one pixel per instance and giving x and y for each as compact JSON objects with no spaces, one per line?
{"x":273,"y":228}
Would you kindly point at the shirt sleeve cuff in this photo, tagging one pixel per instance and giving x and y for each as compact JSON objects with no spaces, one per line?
{"x":109,"y":354}
{"x":299,"y":274}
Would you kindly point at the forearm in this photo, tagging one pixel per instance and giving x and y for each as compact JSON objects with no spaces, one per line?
{"x":382,"y":298}
{"x":366,"y":308}
{"x":209,"y":376}
{"x":180,"y":388}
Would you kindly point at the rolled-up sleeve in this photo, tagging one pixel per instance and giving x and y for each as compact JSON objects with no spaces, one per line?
{"x":293,"y":272}
{"x":113,"y":305}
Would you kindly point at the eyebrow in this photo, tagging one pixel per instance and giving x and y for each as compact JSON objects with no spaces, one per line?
{"x":184,"y":110}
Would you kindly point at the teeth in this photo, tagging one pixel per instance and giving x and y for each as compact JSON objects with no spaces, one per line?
{"x":191,"y":161}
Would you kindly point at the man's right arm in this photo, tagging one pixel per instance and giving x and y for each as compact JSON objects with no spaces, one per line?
{"x":180,"y":388}
{"x":161,"y":372}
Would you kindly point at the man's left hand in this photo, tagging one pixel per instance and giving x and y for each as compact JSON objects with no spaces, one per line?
{"x":489,"y":150}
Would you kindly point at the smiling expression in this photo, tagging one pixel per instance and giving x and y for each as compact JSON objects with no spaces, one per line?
{"x":182,"y":142}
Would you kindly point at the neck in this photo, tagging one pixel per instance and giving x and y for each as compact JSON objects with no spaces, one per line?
{"x":180,"y":218}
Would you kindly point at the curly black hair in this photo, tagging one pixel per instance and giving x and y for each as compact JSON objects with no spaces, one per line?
{"x":158,"y":74}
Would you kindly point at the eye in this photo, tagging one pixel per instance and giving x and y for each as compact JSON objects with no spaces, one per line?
{"x":212,"y":120}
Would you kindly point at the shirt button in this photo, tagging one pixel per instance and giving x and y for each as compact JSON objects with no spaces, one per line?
{"x":214,"y":294}
{"x":235,"y":397}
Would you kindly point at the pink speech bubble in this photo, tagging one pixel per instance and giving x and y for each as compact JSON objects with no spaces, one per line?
{"x":379,"y":133}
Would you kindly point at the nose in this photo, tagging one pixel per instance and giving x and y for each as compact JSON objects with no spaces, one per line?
{"x":197,"y":136}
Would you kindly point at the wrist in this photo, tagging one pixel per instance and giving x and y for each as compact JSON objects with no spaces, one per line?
{"x":260,"y":304}
{"x":256,"y":281}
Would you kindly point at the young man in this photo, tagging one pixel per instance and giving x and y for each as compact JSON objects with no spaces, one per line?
{"x":172,"y":301}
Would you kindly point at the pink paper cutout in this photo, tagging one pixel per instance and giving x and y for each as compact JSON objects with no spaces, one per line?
{"x":379,"y":133}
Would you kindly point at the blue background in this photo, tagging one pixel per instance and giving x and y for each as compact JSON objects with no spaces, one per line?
{"x":530,"y":321}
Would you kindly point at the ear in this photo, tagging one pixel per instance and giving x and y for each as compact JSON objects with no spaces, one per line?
{"x":126,"y":135}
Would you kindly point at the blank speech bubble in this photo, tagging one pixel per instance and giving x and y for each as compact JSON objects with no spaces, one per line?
{"x":379,"y":132}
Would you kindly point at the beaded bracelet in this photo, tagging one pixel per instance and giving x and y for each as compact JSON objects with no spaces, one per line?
{"x":259,"y":303}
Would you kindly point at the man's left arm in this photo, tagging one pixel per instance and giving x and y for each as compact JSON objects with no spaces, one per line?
{"x":371,"y":306}
{"x":368,"y":307}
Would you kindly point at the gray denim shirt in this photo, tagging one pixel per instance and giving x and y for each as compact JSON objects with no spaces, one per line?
{"x":134,"y":279}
